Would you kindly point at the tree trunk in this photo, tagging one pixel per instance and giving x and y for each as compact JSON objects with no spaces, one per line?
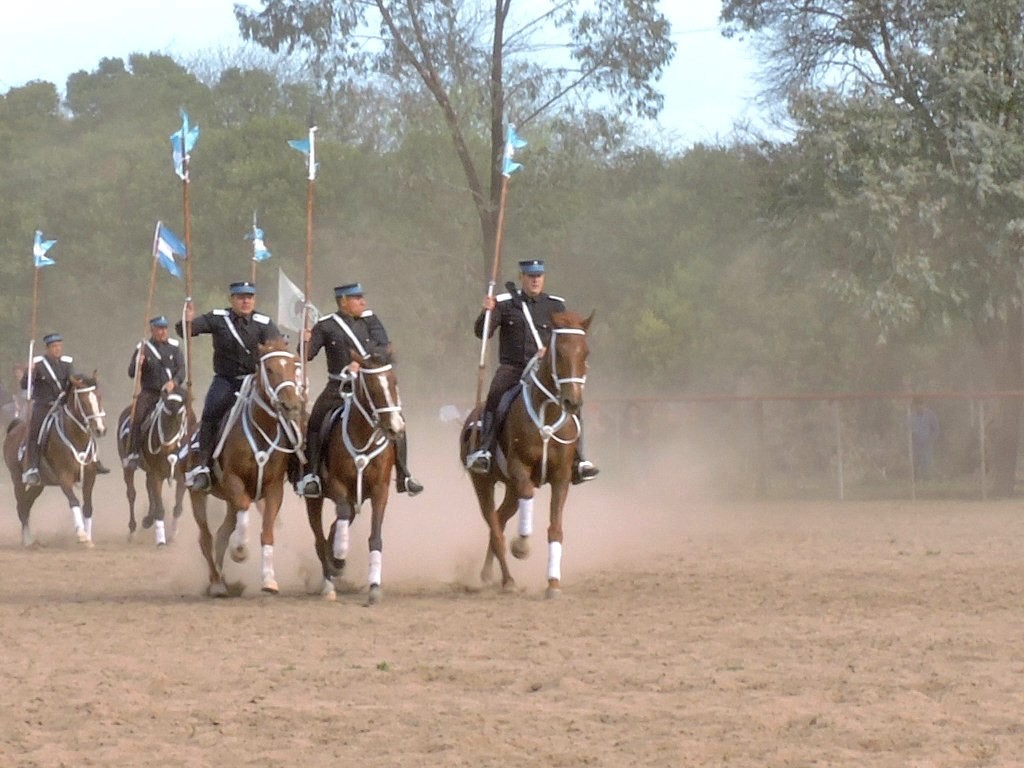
{"x":1005,"y":425}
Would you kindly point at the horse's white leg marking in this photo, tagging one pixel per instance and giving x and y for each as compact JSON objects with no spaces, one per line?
{"x":159,"y":534}
{"x":525,"y":513}
{"x":340,"y":543}
{"x":241,"y":532}
{"x":555,"y":560}
{"x":269,"y":582}
{"x":87,"y":527}
{"x":76,"y":517}
{"x":375,"y":566}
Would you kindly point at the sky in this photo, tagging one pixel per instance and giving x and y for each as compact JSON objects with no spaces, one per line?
{"x":709,"y":87}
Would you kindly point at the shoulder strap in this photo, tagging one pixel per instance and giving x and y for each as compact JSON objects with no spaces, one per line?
{"x":529,"y":322}
{"x":234,"y":332}
{"x":350,"y":333}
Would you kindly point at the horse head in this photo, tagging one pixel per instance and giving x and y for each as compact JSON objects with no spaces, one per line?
{"x":278,"y":378}
{"x":83,"y":397}
{"x":567,"y":358}
{"x":378,"y":391}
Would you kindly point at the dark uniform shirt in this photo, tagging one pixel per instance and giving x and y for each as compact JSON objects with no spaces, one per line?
{"x":328,"y":335}
{"x":234,"y":357}
{"x":49,"y":377}
{"x":516,"y":343}
{"x":162,"y":363}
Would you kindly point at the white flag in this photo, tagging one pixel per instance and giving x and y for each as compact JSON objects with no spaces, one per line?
{"x":290,"y":302}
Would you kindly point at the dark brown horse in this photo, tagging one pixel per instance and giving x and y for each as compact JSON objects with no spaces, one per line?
{"x":163,"y":434}
{"x":67,"y":454}
{"x":359,"y":454}
{"x":536,"y":446}
{"x":251,"y":463}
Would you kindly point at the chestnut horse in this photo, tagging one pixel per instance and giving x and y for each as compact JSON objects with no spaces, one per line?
{"x":67,"y":454}
{"x":536,"y":446}
{"x":250,"y":463}
{"x":163,"y":434}
{"x":359,"y":454}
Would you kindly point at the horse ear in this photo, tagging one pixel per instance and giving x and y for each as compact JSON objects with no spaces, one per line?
{"x":95,"y":374}
{"x":586,"y":323}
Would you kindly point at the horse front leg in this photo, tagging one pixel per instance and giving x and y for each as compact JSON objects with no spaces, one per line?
{"x":25,"y":498}
{"x":314,"y":512}
{"x":559,"y":493}
{"x":216,"y":586}
{"x":82,"y":524}
{"x":378,"y":503}
{"x":129,"y":484}
{"x":484,"y":488}
{"x":179,"y":493}
{"x":155,"y":513}
{"x":272,"y":499}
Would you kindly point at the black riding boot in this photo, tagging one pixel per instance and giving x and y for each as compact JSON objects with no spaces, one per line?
{"x":404,"y":481}
{"x":309,"y":484}
{"x":479,"y":460}
{"x":582,"y":470}
{"x":200,"y":473}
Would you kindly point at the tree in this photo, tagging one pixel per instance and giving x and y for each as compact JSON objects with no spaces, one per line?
{"x":477,"y":67}
{"x":911,"y":134}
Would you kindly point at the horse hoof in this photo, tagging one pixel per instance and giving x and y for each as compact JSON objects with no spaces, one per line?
{"x":375,"y":595}
{"x":270,"y":587}
{"x":26,"y":539}
{"x":217,"y":589}
{"x":147,"y":522}
{"x":239,"y":554}
{"x":520,"y":547}
{"x":327,"y":591}
{"x":553,"y":593}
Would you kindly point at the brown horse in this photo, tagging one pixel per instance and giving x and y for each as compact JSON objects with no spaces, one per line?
{"x":359,"y":454}
{"x":163,"y":434}
{"x":536,"y":446}
{"x":251,"y":462}
{"x":67,"y":454}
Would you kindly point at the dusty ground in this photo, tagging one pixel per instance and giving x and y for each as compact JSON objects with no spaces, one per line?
{"x":690,"y":633}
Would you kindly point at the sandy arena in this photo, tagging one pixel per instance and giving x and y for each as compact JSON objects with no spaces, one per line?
{"x":689,"y":633}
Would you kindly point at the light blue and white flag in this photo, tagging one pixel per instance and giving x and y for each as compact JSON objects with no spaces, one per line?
{"x":307,"y":147}
{"x":39,"y":249}
{"x":182,"y":142}
{"x":259,"y":248}
{"x":512,"y":143}
{"x":167,"y":249}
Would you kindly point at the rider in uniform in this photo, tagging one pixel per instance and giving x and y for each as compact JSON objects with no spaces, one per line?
{"x":518,"y":314}
{"x":162,"y":368}
{"x":236,"y":331}
{"x":51,"y":373}
{"x":338,"y":334}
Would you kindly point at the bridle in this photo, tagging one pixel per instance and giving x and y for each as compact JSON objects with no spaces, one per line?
{"x":82,"y":417}
{"x":550,"y":416}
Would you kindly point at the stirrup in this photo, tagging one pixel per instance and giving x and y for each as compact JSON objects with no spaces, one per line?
{"x":479,"y":462}
{"x":30,"y":477}
{"x":584,"y":471}
{"x":198,"y":478}
{"x":409,"y":485}
{"x":309,"y":486}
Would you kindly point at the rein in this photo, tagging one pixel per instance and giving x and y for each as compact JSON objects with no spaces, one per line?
{"x":86,"y":454}
{"x":377,"y":440}
{"x":532,"y":384}
{"x":252,"y":400}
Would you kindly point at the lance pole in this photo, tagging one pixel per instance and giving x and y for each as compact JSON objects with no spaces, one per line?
{"x":254,"y":228}
{"x":186,"y":321}
{"x":137,"y":383}
{"x":307,"y":284}
{"x":32,"y":338}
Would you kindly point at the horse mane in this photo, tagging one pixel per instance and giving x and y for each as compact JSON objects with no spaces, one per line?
{"x":570,"y":319}
{"x":274,"y":345}
{"x":81,"y":380}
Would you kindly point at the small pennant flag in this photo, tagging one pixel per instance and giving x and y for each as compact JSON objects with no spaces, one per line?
{"x":512,"y":143}
{"x":39,"y":249}
{"x":290,"y":303}
{"x":167,"y":249}
{"x":182,"y":142}
{"x":259,"y":248}
{"x":307,"y":147}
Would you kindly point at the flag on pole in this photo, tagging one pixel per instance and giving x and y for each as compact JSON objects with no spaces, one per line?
{"x":307,"y":147}
{"x":167,"y":248}
{"x":179,"y":149}
{"x":290,"y":303}
{"x":512,"y":143}
{"x":39,"y":249}
{"x":259,"y":248}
